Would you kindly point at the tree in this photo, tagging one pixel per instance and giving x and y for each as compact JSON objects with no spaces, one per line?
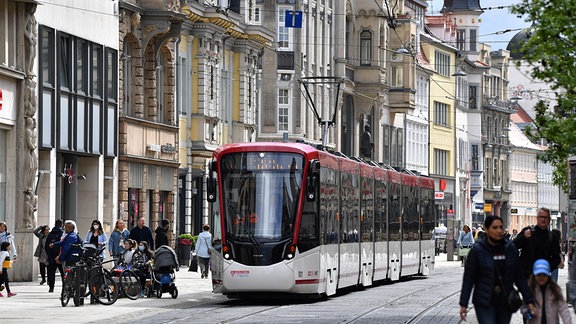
{"x":551,"y":50}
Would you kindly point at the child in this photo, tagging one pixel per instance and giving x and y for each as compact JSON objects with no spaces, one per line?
{"x":548,"y":296}
{"x":6,"y":264}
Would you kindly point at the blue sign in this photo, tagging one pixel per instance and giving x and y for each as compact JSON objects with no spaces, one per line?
{"x":479,"y":205}
{"x":293,"y":19}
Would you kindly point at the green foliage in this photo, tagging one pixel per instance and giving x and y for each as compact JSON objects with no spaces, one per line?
{"x":190,"y":237}
{"x":551,"y":50}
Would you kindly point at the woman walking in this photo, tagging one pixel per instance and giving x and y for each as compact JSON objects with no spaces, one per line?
{"x":202,"y":248}
{"x":492,"y":269}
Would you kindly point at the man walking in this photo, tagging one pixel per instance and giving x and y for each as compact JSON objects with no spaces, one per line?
{"x":538,"y":242}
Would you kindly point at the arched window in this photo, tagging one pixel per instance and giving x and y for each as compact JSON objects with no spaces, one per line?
{"x":365,"y":48}
{"x":127,"y":79}
{"x":160,"y":75}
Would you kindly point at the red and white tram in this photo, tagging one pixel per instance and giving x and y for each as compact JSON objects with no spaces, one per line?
{"x":295,"y":219}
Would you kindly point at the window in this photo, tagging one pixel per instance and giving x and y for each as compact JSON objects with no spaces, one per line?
{"x":283,"y":110}
{"x":283,"y":31}
{"x":73,"y":71}
{"x":442,"y":63}
{"x":397,"y":76}
{"x":440,"y":113}
{"x":160,"y":88}
{"x":48,"y":88}
{"x":461,"y":39}
{"x":473,"y":40}
{"x":475,"y":165}
{"x":127,"y":78}
{"x":111,"y":102}
{"x":8,"y":34}
{"x":256,"y":15}
{"x":365,"y":48}
{"x":440,"y":162}
{"x":473,"y":97}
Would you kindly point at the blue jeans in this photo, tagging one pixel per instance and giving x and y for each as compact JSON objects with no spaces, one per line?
{"x":496,"y":313}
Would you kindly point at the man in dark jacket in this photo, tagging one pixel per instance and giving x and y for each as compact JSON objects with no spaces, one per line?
{"x":141,"y":232}
{"x":67,"y":244}
{"x":162,"y":233}
{"x":54,"y":236}
{"x":538,"y":242}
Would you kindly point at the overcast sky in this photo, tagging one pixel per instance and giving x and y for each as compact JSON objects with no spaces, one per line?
{"x":493,"y":20}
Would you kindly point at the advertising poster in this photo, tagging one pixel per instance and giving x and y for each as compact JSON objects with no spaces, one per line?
{"x":572,"y":219}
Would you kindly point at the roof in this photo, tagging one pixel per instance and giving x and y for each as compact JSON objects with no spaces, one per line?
{"x":461,"y":5}
{"x":519,"y":140}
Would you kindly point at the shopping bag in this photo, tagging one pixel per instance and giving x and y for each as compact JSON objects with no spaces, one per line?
{"x":463,"y":252}
{"x":193,"y":264}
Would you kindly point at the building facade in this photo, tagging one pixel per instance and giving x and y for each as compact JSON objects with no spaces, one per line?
{"x":148,"y":124}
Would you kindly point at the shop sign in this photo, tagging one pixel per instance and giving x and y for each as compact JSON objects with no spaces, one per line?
{"x":439,"y":195}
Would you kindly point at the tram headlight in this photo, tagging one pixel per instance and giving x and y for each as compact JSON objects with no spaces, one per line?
{"x":226,"y":252}
{"x":291,"y":252}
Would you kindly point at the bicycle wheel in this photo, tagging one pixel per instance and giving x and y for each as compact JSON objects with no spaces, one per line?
{"x":103,"y":288}
{"x":79,"y":287}
{"x":66,"y":293}
{"x":130,"y":284}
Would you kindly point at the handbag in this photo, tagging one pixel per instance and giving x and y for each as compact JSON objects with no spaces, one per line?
{"x":513,"y":299}
{"x":193,"y":264}
{"x":463,"y":251}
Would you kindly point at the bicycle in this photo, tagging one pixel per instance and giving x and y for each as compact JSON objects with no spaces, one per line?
{"x":128,"y":280}
{"x":88,"y":271}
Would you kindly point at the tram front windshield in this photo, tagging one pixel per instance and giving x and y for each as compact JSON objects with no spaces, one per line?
{"x":260,"y":193}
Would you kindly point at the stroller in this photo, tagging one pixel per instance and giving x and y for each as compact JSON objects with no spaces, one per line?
{"x":163,"y":276}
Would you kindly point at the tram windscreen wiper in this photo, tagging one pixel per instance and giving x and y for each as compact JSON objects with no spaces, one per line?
{"x":251,"y":235}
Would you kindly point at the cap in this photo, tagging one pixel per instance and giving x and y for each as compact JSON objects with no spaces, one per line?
{"x":541,"y":266}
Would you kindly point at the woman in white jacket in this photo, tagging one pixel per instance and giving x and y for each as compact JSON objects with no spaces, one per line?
{"x":7,"y":237}
{"x":202,"y":249}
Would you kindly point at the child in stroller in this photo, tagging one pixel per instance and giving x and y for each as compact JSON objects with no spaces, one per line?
{"x":163,"y":276}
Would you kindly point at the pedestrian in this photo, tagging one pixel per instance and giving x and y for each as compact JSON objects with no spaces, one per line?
{"x":554,"y":275}
{"x":6,"y":264}
{"x":96,"y":236}
{"x":492,"y":270}
{"x":141,"y":232}
{"x":67,"y":245}
{"x":465,"y":242}
{"x":117,"y":242}
{"x":538,"y":242}
{"x":5,"y":236}
{"x":514,"y":234}
{"x":41,"y":233}
{"x":129,"y":249}
{"x":480,"y":234}
{"x":202,"y":249}
{"x":141,"y":261}
{"x":52,"y":252}
{"x":548,"y":297}
{"x":162,"y":233}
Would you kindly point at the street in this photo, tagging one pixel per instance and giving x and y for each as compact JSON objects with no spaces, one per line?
{"x":416,"y":300}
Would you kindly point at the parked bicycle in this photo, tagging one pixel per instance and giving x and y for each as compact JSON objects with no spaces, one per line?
{"x":128,"y":280}
{"x":88,"y":271}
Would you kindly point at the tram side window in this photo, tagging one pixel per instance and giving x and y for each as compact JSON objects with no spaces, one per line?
{"x":308,"y":236}
{"x":367,"y":214}
{"x":427,"y":213}
{"x":329,"y":206}
{"x":380,"y":222}
{"x":394,"y":213}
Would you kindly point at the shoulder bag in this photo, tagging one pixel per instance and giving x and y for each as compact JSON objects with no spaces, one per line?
{"x":513,"y":299}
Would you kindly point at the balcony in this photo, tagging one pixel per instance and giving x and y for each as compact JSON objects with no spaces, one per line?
{"x":495,"y":103}
{"x":285,"y":60}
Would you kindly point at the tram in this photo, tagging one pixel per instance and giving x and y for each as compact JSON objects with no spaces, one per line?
{"x":295,"y":219}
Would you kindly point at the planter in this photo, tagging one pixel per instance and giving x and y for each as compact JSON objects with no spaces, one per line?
{"x":184,"y":249}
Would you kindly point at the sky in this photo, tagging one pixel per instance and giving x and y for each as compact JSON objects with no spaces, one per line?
{"x":493,"y":20}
